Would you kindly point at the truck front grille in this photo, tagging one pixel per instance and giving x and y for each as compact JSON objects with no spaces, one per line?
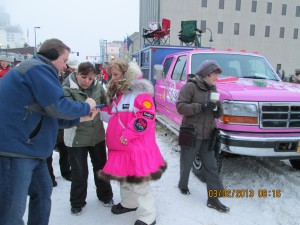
{"x":280,"y":115}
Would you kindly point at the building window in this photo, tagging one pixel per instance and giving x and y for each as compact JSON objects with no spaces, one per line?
{"x":267,"y":31}
{"x":269,"y":7}
{"x":281,"y":34}
{"x":295,"y":36}
{"x":236,"y":29}
{"x":252,"y":29}
{"x":10,"y":37}
{"x":238,"y":5}
{"x":220,"y":27}
{"x":283,"y":9}
{"x":203,"y":25}
{"x":221,"y":4}
{"x":254,"y":5}
{"x":297,"y":11}
{"x":204,"y":3}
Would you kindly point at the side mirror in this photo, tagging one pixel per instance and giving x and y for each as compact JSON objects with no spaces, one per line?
{"x":158,"y":71}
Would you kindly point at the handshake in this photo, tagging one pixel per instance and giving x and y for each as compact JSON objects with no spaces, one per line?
{"x":209,"y":106}
{"x":91,"y":102}
{"x":95,"y":109}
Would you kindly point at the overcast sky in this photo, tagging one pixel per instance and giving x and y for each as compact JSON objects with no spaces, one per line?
{"x":80,"y":24}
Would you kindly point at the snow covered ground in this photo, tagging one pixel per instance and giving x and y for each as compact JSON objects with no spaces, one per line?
{"x":176,"y":209}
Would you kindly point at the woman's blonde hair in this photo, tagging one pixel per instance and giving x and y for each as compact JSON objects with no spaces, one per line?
{"x":119,"y":64}
{"x":131,"y":71}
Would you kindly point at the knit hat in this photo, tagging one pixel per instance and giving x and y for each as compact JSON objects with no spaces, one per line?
{"x":208,"y":67}
{"x":72,"y":63}
{"x":297,"y":70}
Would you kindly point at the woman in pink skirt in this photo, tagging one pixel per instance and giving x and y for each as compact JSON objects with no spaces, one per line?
{"x":134,"y":158}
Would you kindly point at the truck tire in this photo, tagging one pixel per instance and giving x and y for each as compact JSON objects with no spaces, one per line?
{"x":197,"y":166}
{"x":295,"y":163}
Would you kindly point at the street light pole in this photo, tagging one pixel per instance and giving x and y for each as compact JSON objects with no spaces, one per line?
{"x":35,"y":38}
{"x":210,"y":39}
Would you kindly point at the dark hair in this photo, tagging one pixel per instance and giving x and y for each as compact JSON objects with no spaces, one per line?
{"x":53,"y":48}
{"x":85,"y":68}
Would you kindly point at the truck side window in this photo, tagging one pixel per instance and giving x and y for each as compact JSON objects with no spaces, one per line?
{"x":179,"y":69}
{"x":167,"y":65}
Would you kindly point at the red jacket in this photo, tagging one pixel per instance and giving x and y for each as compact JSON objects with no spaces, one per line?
{"x":105,"y":74}
{"x":3,"y":71}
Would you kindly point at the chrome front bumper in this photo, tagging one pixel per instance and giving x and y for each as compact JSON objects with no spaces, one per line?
{"x":282,"y":145}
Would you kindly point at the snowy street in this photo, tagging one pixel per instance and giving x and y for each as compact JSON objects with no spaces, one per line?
{"x":238,"y":173}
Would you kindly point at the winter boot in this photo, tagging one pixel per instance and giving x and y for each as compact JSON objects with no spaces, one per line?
{"x":139,"y":222}
{"x":119,"y":209}
{"x":216,"y":204}
{"x":185,"y":191}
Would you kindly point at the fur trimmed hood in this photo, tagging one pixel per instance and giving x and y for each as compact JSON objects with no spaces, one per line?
{"x":133,"y":72}
{"x":134,"y":77}
{"x":142,"y":85}
{"x":132,"y":82}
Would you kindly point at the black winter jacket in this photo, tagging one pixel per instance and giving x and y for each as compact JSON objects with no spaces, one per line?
{"x":189,"y":104}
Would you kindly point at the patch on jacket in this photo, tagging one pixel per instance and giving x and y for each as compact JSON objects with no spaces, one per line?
{"x":140,"y":125}
{"x":148,"y":115}
{"x":125,"y":106}
{"x":147,"y":104}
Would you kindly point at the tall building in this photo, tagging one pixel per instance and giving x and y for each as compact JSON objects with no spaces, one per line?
{"x":109,"y":50}
{"x":11,"y":36}
{"x":103,"y":51}
{"x":4,"y":17}
{"x":269,"y":27}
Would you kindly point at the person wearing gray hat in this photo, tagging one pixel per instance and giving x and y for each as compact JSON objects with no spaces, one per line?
{"x":72,"y":67}
{"x":208,"y":67}
{"x":198,"y":102}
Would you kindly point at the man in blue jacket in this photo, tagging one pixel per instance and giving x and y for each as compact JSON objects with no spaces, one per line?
{"x":32,"y":106}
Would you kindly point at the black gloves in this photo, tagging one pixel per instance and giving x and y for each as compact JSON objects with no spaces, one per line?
{"x":208,"y":106}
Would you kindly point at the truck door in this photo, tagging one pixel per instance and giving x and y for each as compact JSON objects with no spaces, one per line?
{"x":175,"y":80}
{"x":160,"y":85}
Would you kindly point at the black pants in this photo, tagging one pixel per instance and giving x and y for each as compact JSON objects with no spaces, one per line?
{"x":65,"y":167}
{"x":209,"y":165}
{"x":79,"y":165}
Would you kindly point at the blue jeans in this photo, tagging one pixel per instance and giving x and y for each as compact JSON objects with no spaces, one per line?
{"x":20,"y":177}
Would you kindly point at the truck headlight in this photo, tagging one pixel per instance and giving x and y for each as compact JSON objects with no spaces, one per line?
{"x":240,"y":113}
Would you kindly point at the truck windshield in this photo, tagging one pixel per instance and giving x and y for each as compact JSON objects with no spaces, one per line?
{"x":237,"y":65}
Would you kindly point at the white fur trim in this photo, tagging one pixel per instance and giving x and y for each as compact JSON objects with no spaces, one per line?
{"x":142,"y":86}
{"x":133,"y":72}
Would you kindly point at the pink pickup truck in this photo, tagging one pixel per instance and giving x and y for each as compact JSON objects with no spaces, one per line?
{"x":261,"y":113}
